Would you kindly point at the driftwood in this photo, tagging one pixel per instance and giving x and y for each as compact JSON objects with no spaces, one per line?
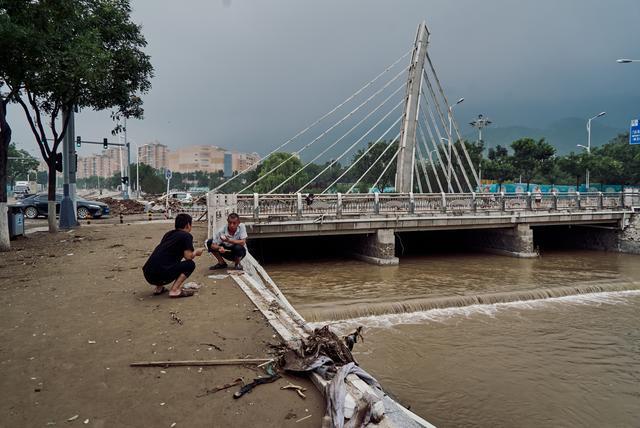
{"x":200,"y":362}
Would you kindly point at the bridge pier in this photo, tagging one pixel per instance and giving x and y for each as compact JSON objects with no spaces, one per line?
{"x":513,"y":241}
{"x":378,"y":248}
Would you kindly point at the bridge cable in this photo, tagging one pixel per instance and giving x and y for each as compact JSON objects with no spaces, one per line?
{"x":374,"y":163}
{"x":444,"y":124}
{"x":296,"y":153}
{"x":453,"y":121}
{"x":329,"y":113}
{"x":424,"y":169}
{"x":384,"y":171}
{"x":379,"y":140}
{"x":358,"y":141}
{"x":378,"y":107}
{"x":417,"y":174}
{"x":429,"y":151}
{"x":438,"y":143}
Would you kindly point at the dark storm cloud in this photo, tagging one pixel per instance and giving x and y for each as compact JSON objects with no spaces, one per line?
{"x":248,"y":74}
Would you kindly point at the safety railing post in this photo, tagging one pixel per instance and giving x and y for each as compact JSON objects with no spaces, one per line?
{"x":474,"y":202}
{"x":503,"y":204}
{"x":412,"y":204}
{"x":578,"y":203}
{"x":622,"y":199}
{"x":376,"y":203}
{"x":256,"y":207}
{"x":299,"y":205}
{"x":529,"y":204}
{"x":444,"y":202}
{"x":339,"y":206}
{"x":600,"y":200}
{"x":554,"y":205}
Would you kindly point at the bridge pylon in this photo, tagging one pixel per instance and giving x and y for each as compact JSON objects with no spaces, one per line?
{"x":407,"y":149}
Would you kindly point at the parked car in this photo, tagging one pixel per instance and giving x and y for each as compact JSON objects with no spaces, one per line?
{"x":184,"y":197}
{"x":38,"y":205}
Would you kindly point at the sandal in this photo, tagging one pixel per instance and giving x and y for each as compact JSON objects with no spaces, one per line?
{"x":219,"y":266}
{"x":183,"y":293}
{"x":157,"y":293}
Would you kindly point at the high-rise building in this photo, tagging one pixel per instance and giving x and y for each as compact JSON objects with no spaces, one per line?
{"x":154,"y":154}
{"x":197,"y":158}
{"x":228,"y":164}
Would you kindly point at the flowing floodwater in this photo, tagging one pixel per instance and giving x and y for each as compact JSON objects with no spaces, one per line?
{"x":481,"y":340}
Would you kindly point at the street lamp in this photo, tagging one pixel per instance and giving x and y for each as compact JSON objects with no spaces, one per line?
{"x":460,"y":101}
{"x":588,"y":146}
{"x":137,"y":169}
{"x":626,"y":60}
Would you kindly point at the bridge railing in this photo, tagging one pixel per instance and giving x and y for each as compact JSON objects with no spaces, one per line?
{"x":287,"y":206}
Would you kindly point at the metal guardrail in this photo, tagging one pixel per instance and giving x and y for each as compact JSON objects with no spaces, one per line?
{"x":287,"y":206}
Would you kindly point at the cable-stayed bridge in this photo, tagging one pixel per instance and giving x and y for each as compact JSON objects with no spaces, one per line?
{"x":398,"y":128}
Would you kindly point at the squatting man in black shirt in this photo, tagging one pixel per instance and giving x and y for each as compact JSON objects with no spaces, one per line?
{"x":166,"y":264}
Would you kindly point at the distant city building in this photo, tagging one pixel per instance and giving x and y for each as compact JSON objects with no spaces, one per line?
{"x":210,"y":159}
{"x":154,"y":154}
{"x":103,"y":165}
{"x":185,"y":159}
{"x":228,"y":164}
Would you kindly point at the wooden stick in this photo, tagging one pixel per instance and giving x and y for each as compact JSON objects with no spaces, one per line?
{"x":200,"y":362}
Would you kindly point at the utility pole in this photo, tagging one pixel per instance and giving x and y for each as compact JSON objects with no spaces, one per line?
{"x":67,"y":207}
{"x":127,"y":185}
{"x":406,"y":154}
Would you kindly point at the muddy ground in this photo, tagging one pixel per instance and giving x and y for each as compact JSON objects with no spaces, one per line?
{"x":76,"y":311}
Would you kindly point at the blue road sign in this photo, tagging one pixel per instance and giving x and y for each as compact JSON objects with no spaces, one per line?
{"x":634,"y":132}
{"x":168,"y":174}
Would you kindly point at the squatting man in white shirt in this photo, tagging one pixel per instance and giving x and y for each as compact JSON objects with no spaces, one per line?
{"x":229,"y":242}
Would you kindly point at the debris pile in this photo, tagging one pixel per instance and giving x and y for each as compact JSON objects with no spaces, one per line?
{"x":122,"y":206}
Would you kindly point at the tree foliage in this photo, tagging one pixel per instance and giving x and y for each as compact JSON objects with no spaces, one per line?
{"x":71,"y":53}
{"x":18,"y":169}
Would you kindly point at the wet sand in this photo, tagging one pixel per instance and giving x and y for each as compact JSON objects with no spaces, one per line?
{"x":60,"y":293}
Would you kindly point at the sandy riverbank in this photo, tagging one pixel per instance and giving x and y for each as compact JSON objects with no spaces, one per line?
{"x":60,"y":293}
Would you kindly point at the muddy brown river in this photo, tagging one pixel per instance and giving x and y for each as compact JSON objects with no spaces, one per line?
{"x":489,"y":341}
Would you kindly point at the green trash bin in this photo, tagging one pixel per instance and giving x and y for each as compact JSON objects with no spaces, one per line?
{"x":16,"y":221}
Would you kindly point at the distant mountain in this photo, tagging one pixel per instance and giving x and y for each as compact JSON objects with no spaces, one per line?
{"x":564,"y":134}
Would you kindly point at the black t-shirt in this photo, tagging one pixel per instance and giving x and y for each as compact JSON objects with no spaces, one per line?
{"x":170,"y":250}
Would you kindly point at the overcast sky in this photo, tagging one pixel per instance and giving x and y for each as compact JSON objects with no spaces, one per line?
{"x":248,"y":74}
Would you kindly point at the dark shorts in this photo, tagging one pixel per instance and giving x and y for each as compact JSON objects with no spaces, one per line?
{"x":164,"y":276}
{"x":233,"y":251}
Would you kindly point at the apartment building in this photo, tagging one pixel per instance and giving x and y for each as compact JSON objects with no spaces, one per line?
{"x":197,"y":158}
{"x":154,"y":154}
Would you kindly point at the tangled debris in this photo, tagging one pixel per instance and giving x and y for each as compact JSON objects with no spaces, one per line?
{"x":123,"y":206}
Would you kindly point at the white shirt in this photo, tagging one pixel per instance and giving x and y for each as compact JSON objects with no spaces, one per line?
{"x":240,"y":234}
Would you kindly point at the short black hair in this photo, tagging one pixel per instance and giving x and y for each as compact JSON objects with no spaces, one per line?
{"x":233,"y":216}
{"x":182,"y":220}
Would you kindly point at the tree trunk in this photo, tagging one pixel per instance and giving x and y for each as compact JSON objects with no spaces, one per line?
{"x":5,"y":139}
{"x":51,"y":193}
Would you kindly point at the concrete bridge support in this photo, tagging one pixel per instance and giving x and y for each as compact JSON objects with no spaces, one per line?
{"x":513,"y":241}
{"x":623,"y":239}
{"x":378,"y":248}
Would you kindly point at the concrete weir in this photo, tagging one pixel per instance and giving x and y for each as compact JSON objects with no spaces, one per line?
{"x":291,"y":327}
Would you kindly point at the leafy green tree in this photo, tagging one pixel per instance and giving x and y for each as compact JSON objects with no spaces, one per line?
{"x":531,"y":157}
{"x":66,"y":54}
{"x":574,"y":165}
{"x":19,"y":169}
{"x":499,"y":165}
{"x":151,"y":180}
{"x":386,"y":180}
{"x":270,"y":179}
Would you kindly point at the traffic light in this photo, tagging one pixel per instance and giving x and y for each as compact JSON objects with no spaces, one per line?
{"x":125,"y":180}
{"x":59,"y":162}
{"x":105,"y":143}
{"x":78,"y":142}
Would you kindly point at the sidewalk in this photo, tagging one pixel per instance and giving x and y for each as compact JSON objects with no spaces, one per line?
{"x":61,"y":293}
